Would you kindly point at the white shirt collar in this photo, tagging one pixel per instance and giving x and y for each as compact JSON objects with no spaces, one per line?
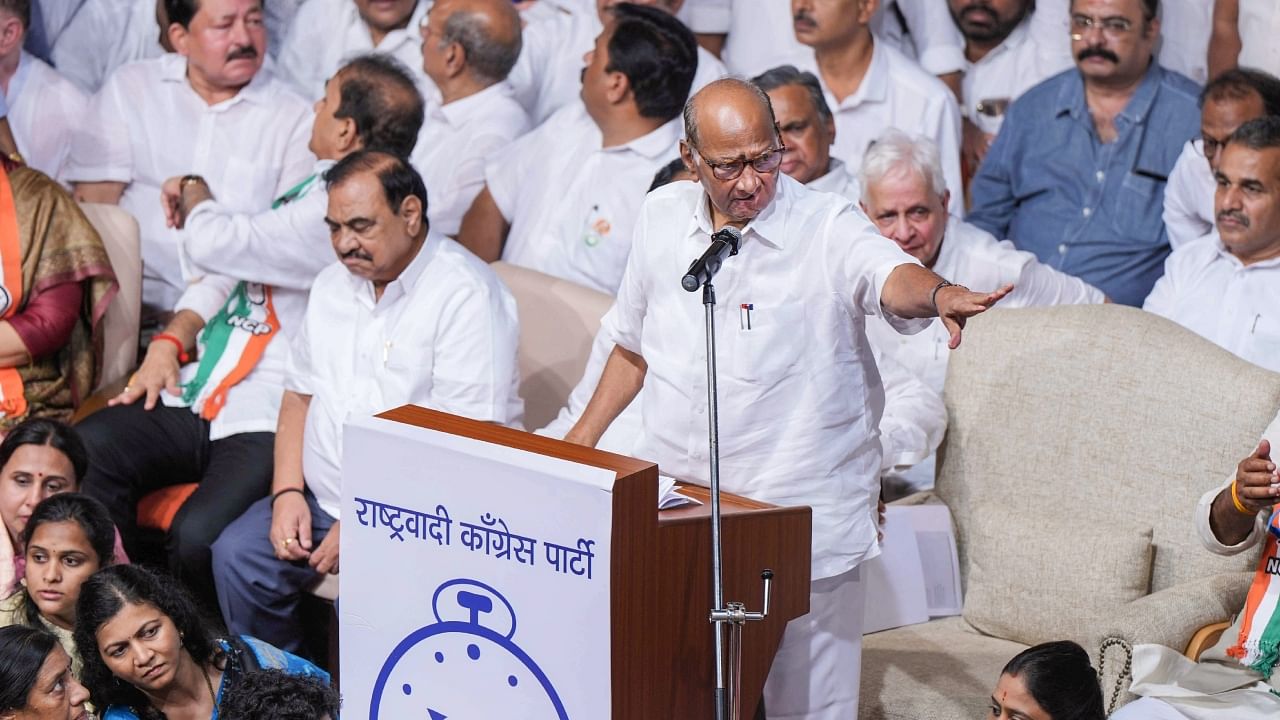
{"x":1228,"y":256}
{"x":173,"y":68}
{"x":398,"y":288}
{"x":457,"y":113}
{"x":769,"y":226}
{"x":656,"y":144}
{"x":835,"y":179}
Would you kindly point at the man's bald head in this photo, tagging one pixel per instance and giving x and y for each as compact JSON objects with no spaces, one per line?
{"x":488,"y":32}
{"x":727,"y":105}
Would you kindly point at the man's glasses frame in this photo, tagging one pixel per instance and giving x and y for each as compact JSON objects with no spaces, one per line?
{"x":765,"y":163}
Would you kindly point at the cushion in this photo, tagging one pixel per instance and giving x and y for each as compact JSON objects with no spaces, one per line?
{"x":1051,"y":581}
{"x":157,"y":509}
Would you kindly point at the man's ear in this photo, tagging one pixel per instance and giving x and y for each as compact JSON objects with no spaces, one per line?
{"x":411,"y":214}
{"x":348,"y":137}
{"x":178,"y":37}
{"x":946,"y":200}
{"x":455,"y":59}
{"x":11,"y":33}
{"x":867,"y":10}
{"x":686,"y":156}
{"x":617,"y":87}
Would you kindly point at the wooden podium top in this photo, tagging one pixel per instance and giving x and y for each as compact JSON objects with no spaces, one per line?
{"x":660,"y":579}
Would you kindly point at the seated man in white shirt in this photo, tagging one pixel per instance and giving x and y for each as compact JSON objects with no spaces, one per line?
{"x":872,"y":86}
{"x":808,"y":130}
{"x":1236,"y":678}
{"x":250,"y":276}
{"x":327,"y":33}
{"x":563,"y":199}
{"x":441,"y":331}
{"x":546,"y":76}
{"x":1228,"y":290}
{"x":1009,"y":46}
{"x":105,"y":34}
{"x":43,"y":105}
{"x":905,"y":195}
{"x":206,"y":110}
{"x":1227,"y":102}
{"x":468,"y":48}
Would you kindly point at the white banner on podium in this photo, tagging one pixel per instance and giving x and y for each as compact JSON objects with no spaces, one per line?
{"x":475,"y":579}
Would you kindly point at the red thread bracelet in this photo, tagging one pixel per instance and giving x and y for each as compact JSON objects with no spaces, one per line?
{"x":182,"y":351}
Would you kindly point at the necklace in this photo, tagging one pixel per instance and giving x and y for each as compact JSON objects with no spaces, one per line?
{"x":209,"y":684}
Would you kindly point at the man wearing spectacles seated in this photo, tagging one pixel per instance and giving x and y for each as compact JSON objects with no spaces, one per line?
{"x":800,"y":396}
{"x":1077,"y":174}
{"x":1228,"y":101}
{"x":562,"y":200}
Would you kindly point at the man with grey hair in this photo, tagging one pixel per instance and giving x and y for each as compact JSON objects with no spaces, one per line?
{"x":905,"y":195}
{"x":808,"y":130}
{"x":468,"y":49}
{"x":800,"y":396}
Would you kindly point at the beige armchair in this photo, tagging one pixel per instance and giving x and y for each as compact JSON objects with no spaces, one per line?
{"x":1079,"y":441}
{"x":120,"y":236}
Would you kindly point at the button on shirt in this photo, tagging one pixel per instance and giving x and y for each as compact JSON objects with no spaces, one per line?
{"x":897,"y":93}
{"x":1188,"y":201}
{"x":800,"y":396}
{"x":548,"y":74}
{"x":1209,"y":291}
{"x":1085,"y":207}
{"x":443,"y":336}
{"x":285,"y":248}
{"x":453,"y":145}
{"x":44,"y":108}
{"x":327,"y":33}
{"x":148,"y":124}
{"x":971,"y":257}
{"x":1038,"y":48}
{"x":103,"y":35}
{"x":571,"y":203}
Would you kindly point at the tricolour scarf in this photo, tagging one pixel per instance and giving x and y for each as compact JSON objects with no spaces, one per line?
{"x":1259,"y":643}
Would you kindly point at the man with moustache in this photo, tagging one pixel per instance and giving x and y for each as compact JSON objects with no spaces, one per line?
{"x":1009,"y":46}
{"x":808,"y":130}
{"x":205,"y":109}
{"x":468,"y":48}
{"x":406,"y":316}
{"x":211,"y":420}
{"x":870,"y":85}
{"x":326,"y":33}
{"x":1228,"y":290}
{"x":1228,"y":101}
{"x":1078,"y":171}
{"x":800,"y":397}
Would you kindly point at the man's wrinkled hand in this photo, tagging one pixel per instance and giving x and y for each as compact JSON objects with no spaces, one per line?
{"x":325,"y":559}
{"x":171,"y":200}
{"x":291,"y":527}
{"x":159,"y":373}
{"x":956,"y":304}
{"x":1257,"y":483}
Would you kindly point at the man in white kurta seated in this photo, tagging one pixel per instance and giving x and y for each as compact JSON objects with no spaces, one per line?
{"x":207,"y":110}
{"x":327,"y":33}
{"x":546,"y":76}
{"x":105,"y":34}
{"x":1227,"y":102}
{"x":563,"y":199}
{"x":1228,"y":290}
{"x":905,"y":195}
{"x":1235,"y":679}
{"x":43,"y":105}
{"x":800,"y":396}
{"x":468,"y":48}
{"x":406,"y":316}
{"x":871,"y":86}
{"x":808,"y":130}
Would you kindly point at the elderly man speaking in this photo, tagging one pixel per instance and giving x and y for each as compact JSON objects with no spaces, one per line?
{"x":800,"y":394}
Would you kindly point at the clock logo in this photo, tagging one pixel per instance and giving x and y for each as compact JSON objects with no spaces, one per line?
{"x":465,"y":666}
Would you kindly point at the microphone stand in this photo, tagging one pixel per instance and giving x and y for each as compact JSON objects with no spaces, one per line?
{"x":734,"y":615}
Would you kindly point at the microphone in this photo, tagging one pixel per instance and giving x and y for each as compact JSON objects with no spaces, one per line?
{"x":723,"y":244}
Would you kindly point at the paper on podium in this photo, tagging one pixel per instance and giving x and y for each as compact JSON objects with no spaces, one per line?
{"x":936,"y":539}
{"x":895,"y":580}
{"x":669,"y":496}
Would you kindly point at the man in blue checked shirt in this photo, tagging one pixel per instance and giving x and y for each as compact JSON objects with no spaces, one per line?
{"x":1077,"y":174}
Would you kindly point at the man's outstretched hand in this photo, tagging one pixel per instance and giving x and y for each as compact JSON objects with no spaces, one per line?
{"x":956,"y":304}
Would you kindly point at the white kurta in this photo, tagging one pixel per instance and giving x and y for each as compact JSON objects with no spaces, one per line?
{"x":1188,"y":196}
{"x":454,"y":144}
{"x":1259,"y":23}
{"x":44,"y":109}
{"x":571,"y":203}
{"x":1037,"y":49}
{"x":103,"y":35}
{"x":147,"y":125}
{"x":443,"y":336}
{"x":1209,"y":291}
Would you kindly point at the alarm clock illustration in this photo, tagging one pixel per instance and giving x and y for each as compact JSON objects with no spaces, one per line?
{"x":465,"y":666}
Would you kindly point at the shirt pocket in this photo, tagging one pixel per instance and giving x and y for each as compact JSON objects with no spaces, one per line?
{"x":1263,"y":344}
{"x":772,"y":346}
{"x":1136,"y":214}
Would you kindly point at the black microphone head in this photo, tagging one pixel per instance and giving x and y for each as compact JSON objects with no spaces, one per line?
{"x":729,"y":234}
{"x":690,"y":283}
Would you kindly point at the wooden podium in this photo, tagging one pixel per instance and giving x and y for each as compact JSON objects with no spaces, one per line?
{"x":660,"y":577}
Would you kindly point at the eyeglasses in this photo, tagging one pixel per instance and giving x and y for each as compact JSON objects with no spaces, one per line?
{"x":1113,"y":27}
{"x":1211,"y":146}
{"x":764,"y":164}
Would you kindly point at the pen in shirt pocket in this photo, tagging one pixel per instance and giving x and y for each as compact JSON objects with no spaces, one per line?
{"x":744,"y":315}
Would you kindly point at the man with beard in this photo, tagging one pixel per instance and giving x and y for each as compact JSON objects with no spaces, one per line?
{"x":1078,"y":171}
{"x":205,"y":110}
{"x":1009,"y":46}
{"x":1228,"y":290}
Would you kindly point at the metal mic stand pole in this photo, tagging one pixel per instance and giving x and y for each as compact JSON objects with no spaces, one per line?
{"x":728,"y":690}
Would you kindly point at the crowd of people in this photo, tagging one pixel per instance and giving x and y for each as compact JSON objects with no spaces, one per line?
{"x":320,"y":187}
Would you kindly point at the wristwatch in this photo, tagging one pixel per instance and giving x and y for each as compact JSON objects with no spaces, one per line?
{"x":190,"y":180}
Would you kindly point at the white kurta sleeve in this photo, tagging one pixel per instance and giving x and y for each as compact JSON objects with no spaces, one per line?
{"x":475,"y":355}
{"x":101,"y":147}
{"x":939,"y":44}
{"x":1040,"y":285}
{"x":1181,"y":218}
{"x":914,"y":419}
{"x":206,"y":296}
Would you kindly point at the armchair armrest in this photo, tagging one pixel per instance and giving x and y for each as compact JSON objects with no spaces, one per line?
{"x":1205,"y":638}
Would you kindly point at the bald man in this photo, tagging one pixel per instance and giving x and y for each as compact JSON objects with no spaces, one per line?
{"x":800,"y":396}
{"x":468,"y":50}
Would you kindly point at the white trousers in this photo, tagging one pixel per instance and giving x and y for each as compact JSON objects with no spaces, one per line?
{"x":818,"y":668}
{"x":1147,"y":709}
